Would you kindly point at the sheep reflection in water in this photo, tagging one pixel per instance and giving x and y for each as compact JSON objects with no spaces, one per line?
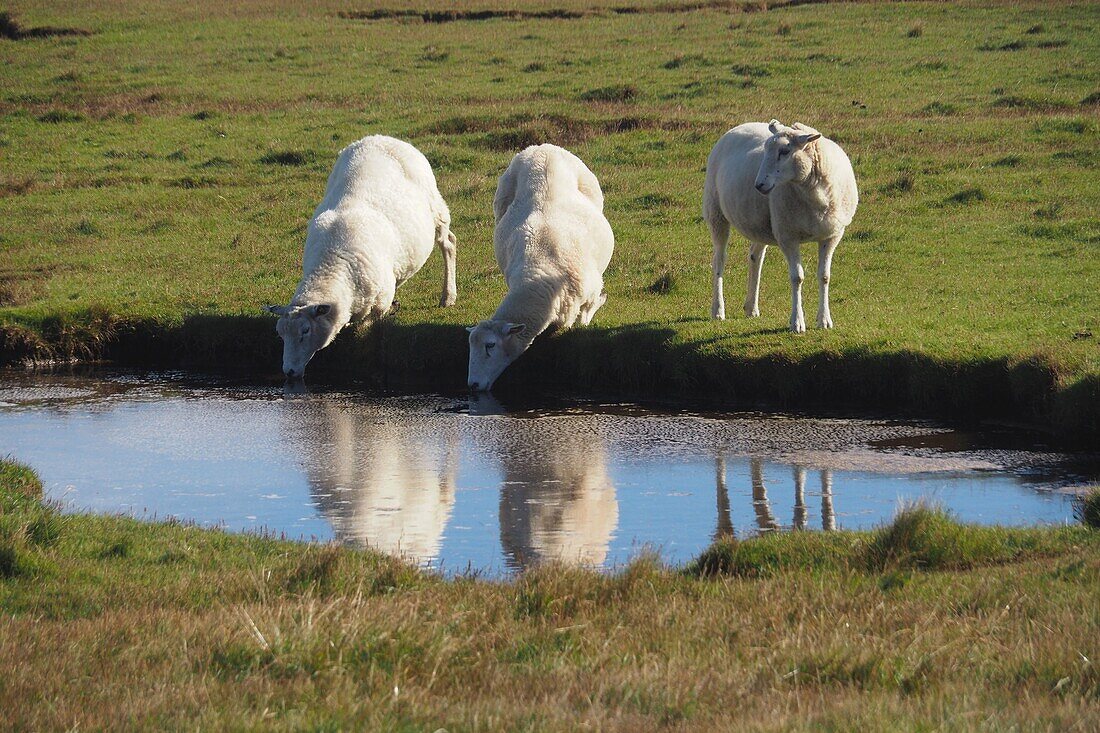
{"x":765,"y":518}
{"x":380,"y":482}
{"x":557,"y":502}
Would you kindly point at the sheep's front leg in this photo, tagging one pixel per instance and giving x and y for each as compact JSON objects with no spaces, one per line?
{"x":384,"y":302}
{"x":719,"y":236}
{"x":794,"y":266}
{"x":588,"y":310}
{"x":756,"y":265}
{"x":449,"y":247}
{"x":825,"y":251}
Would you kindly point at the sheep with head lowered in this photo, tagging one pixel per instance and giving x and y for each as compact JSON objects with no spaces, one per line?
{"x":374,"y":229}
{"x":553,"y":244}
{"x":778,"y":185}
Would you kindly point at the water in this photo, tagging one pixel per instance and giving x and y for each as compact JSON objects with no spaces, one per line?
{"x":456,"y":483}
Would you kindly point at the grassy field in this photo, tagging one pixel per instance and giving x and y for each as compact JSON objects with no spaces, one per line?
{"x":157,"y":173}
{"x":922,"y":625}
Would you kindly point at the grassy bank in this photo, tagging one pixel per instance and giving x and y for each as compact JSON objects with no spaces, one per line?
{"x":112,"y":622}
{"x":152,"y":204}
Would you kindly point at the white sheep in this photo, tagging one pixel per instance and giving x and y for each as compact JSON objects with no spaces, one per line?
{"x":373,"y":230}
{"x":553,"y":244}
{"x":778,"y":185}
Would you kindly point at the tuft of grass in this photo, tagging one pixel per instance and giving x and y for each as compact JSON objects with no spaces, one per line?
{"x":927,"y":538}
{"x":750,"y":70}
{"x":696,"y":60}
{"x":784,"y":29}
{"x":194,"y":182}
{"x":57,"y":116}
{"x":434,"y":55}
{"x":17,"y":479}
{"x":1037,"y":28}
{"x":613,"y":93}
{"x":1090,"y":100}
{"x":1049,"y":212}
{"x":16,"y":186}
{"x":915,"y":31}
{"x":945,"y":109}
{"x":1016,"y":45}
{"x":1022,"y":102}
{"x":663,"y":285}
{"x":88,"y":228}
{"x":966,"y":196}
{"x":1086,"y":508}
{"x":286,"y":157}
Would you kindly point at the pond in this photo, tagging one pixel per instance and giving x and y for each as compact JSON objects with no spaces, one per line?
{"x":469,"y":484}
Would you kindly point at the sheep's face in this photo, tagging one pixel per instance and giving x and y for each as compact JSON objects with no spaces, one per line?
{"x":305,"y":330}
{"x":785,"y":157}
{"x":493,"y":346}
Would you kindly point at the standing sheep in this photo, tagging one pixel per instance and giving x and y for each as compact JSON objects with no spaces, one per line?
{"x":373,"y":230}
{"x":553,"y":244}
{"x":778,"y":185}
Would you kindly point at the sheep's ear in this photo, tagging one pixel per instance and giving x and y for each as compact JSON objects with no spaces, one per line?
{"x":515,"y":329}
{"x":804,"y":140}
{"x":279,"y":310}
{"x":320,"y":310}
{"x":773,"y":126}
{"x":470,"y":329}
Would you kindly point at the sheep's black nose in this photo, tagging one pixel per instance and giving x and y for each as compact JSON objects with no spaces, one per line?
{"x":290,"y":373}
{"x":474,"y":385}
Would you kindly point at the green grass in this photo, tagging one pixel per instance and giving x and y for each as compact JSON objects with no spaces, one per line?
{"x":160,"y":172}
{"x":108,"y":622}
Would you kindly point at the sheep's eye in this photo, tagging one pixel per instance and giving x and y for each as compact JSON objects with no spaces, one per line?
{"x":489,"y":347}
{"x":783,"y":152}
{"x":305,"y":331}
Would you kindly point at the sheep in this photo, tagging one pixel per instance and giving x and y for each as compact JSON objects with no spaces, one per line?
{"x":372,"y":231}
{"x":552,"y":244}
{"x":778,"y":185}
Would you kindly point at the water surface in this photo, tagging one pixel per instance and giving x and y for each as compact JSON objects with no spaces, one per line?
{"x":456,"y":483}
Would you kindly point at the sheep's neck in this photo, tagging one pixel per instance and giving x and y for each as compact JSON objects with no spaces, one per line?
{"x":535,"y":305}
{"x":813,"y":188}
{"x":331,"y":285}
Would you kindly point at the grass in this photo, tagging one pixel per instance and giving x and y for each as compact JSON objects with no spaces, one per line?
{"x":141,"y":197}
{"x":108,"y":621}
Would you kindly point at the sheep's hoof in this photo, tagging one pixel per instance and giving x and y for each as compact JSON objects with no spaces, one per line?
{"x":394,"y":307}
{"x":798,"y":328}
{"x":751,"y":312}
{"x":447,"y":300}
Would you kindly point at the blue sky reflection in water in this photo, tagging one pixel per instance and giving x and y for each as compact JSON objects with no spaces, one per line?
{"x":463,"y":484}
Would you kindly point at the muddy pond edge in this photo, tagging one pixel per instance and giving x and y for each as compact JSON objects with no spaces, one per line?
{"x":638,"y":361}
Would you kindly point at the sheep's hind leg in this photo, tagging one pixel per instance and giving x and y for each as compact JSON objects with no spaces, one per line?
{"x":448,"y":246}
{"x":719,"y":236}
{"x":825,"y":251}
{"x":794,"y":266}
{"x":756,"y":264}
